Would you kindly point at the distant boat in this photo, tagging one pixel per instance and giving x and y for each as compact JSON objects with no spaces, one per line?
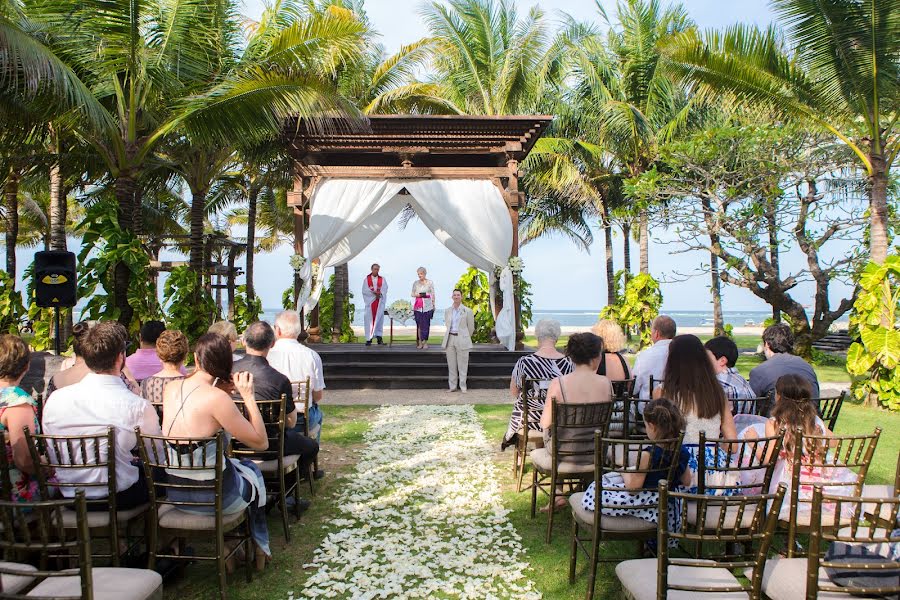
{"x":750,"y":323}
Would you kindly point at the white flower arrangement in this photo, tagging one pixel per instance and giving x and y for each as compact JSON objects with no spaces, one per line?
{"x":421,"y":517}
{"x":516,"y":265}
{"x":297,"y":261}
{"x":400,"y":310}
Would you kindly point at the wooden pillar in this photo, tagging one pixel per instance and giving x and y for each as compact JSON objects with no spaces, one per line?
{"x":515,"y":199}
{"x":232,"y":251}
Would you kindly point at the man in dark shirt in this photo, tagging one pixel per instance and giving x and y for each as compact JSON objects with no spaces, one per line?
{"x":778,"y":341}
{"x":269,"y":384}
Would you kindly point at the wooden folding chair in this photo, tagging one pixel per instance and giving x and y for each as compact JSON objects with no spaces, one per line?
{"x":655,"y":578}
{"x":760,"y":407}
{"x":302,"y":398}
{"x":829,"y":408}
{"x":36,"y":530}
{"x":534,"y":395}
{"x":615,"y":455}
{"x":569,"y":460}
{"x":870,"y":490}
{"x":621,"y":416}
{"x":851,"y":452}
{"x":857,"y":542}
{"x":198,"y":518}
{"x":275,"y":466}
{"x":59,"y":453}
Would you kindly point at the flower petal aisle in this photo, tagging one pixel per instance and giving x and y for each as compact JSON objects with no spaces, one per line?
{"x":422,"y":516}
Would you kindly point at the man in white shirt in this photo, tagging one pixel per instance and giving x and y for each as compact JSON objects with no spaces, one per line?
{"x":101,"y":400}
{"x":297,"y":362}
{"x":651,"y":362}
{"x":460,"y":323}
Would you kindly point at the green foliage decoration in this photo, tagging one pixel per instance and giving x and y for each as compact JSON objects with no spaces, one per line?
{"x":11,"y":308}
{"x":476,"y":295}
{"x":287,"y":298}
{"x":873,"y":359}
{"x":326,"y":313}
{"x":245,"y":312}
{"x":637,"y":306}
{"x":190,"y":307}
{"x":522,"y":290}
{"x":113,"y":245}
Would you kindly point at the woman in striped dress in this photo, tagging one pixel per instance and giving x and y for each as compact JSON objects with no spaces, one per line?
{"x":546,"y":364}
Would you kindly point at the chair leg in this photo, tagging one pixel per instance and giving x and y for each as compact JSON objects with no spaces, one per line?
{"x":297,"y":493}
{"x":534,"y":487}
{"x":516,"y":459}
{"x":573,"y":552}
{"x":521,"y":474}
{"x":220,"y":563}
{"x":282,"y":499}
{"x":248,"y":546}
{"x":152,"y":542}
{"x":552,"y":508}
{"x":595,"y":561}
{"x":312,"y":476}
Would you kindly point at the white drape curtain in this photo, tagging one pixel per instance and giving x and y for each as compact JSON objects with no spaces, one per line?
{"x":469,"y":217}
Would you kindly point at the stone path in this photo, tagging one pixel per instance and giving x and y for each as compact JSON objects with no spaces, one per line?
{"x":421,"y":517}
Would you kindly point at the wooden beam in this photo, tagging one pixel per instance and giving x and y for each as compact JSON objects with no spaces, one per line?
{"x":348,"y":172}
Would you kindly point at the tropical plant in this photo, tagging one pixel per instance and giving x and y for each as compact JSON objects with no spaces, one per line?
{"x":837,"y":66}
{"x":246,"y":310}
{"x":326,"y":314}
{"x":476,"y":295}
{"x":638,"y":306}
{"x":874,"y":358}
{"x":189,"y":307}
{"x":11,"y":308}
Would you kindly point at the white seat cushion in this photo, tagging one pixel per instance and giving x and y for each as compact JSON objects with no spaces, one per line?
{"x":608,"y":523}
{"x":109,"y":584}
{"x":543,"y":461}
{"x":271,"y":466}
{"x":13,"y":583}
{"x":638,"y":579}
{"x":101,"y":518}
{"x":535,"y":436}
{"x":173,"y":518}
{"x":870,"y":490}
{"x":713,"y":512}
{"x":785,"y":579}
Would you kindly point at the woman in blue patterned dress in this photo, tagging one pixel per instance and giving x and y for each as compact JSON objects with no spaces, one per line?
{"x":18,"y":410}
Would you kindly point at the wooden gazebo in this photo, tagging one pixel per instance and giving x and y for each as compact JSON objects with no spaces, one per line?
{"x":412,"y":147}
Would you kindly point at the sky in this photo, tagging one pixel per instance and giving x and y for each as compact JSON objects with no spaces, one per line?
{"x":561,"y":275}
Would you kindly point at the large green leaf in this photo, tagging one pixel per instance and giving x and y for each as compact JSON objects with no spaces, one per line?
{"x":883,"y":344}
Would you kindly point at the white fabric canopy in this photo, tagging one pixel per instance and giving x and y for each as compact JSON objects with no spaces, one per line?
{"x":469,"y":217}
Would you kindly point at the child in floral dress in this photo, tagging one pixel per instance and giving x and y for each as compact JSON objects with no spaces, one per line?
{"x":18,"y":410}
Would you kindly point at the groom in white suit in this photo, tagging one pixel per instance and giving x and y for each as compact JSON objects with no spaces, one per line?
{"x":459,"y":321}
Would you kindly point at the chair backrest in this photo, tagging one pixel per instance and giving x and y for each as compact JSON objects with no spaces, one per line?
{"x":863,"y":538}
{"x":572,"y":428}
{"x":743,"y":547}
{"x":302,"y":393}
{"x":534,"y":395}
{"x":829,"y":408}
{"x":760,"y":406}
{"x":617,"y":455}
{"x":273,"y":414}
{"x":6,"y":488}
{"x":743,"y":465}
{"x":622,"y":388}
{"x":71,"y":454}
{"x":36,"y":529}
{"x":189,"y":473}
{"x":845,"y":464}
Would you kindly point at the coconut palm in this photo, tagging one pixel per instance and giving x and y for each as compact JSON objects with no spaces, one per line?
{"x":837,"y":65}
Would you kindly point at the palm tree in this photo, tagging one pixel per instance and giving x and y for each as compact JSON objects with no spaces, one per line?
{"x":838,"y":66}
{"x":625,"y":94}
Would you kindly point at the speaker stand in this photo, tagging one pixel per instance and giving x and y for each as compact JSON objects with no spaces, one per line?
{"x":58,"y":341}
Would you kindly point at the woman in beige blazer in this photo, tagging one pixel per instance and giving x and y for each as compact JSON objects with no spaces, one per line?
{"x":459,"y":321}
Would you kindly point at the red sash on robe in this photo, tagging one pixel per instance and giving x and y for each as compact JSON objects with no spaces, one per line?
{"x":377,"y":302}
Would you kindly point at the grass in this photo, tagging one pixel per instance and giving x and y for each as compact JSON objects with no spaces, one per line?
{"x":342,"y":435}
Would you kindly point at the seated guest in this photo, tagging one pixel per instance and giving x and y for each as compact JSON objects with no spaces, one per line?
{"x":194,"y":407}
{"x":690,"y":383}
{"x":269,"y":384}
{"x":546,"y":363}
{"x":650,"y":362}
{"x":172,"y":350}
{"x":79,"y":369}
{"x":297,"y":362}
{"x":613,"y":364}
{"x":581,"y":386}
{"x":778,"y":342}
{"x":228,"y":331}
{"x":663,"y":421}
{"x":18,"y":411}
{"x":144,"y":362}
{"x":724,"y":354}
{"x":100,"y":400}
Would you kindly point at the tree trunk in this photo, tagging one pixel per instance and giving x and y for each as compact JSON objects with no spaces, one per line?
{"x":198,"y":208}
{"x":878,"y":209}
{"x":610,"y":266}
{"x":58,"y":206}
{"x":716,"y":290}
{"x":341,"y":287}
{"x":644,"y":231}
{"x":626,"y":249}
{"x":11,"y":196}
{"x":772,"y":226}
{"x":251,"y":240}
{"x":125,"y":186}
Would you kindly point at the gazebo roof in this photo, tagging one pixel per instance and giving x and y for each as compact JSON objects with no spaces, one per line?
{"x":425,"y":140}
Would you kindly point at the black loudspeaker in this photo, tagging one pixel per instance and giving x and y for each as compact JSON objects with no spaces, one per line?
{"x":55,"y":277}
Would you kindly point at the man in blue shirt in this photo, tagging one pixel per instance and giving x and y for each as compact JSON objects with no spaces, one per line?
{"x":778,"y":342}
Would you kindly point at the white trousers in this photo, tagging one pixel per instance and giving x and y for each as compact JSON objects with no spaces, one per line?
{"x":457,"y":363}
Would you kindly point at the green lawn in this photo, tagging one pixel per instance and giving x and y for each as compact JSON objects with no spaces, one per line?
{"x":342,"y":437}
